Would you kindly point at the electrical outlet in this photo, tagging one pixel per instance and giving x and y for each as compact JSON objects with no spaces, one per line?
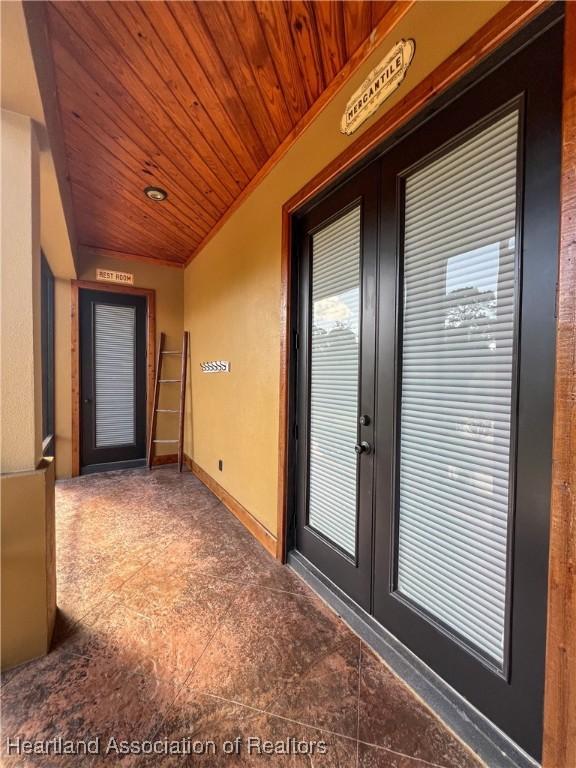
{"x":220,"y":464}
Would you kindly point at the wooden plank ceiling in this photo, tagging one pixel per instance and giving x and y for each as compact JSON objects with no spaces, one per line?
{"x":194,"y":97}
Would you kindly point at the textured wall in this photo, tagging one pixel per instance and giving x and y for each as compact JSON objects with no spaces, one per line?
{"x":232,"y":288}
{"x":20,"y":286}
{"x":28,"y":595}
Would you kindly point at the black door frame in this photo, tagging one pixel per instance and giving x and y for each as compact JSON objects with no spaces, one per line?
{"x":48,"y":359}
{"x":351,"y":573}
{"x":92,"y":458}
{"x":150,"y":295}
{"x":526,"y":36}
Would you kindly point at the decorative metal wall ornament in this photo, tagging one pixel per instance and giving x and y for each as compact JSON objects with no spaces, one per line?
{"x":215,"y":366}
{"x":378,"y":86}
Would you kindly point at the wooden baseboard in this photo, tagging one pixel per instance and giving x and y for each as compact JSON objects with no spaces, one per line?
{"x":247,"y":519}
{"x":167,"y":458}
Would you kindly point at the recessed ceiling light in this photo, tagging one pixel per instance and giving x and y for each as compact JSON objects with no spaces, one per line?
{"x":156,"y":193}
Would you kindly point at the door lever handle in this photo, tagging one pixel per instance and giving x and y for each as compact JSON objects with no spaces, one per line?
{"x":363,"y":447}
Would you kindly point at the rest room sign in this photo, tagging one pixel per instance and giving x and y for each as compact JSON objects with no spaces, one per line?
{"x":378,"y":86}
{"x":113,"y":276}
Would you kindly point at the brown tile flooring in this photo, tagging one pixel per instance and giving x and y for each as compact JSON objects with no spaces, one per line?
{"x":176,"y":624}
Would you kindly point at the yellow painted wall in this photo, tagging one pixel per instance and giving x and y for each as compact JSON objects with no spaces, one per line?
{"x":232,"y":288}
{"x":21,"y":416}
{"x":28,"y":574}
{"x":19,"y":93}
{"x":27,"y":547}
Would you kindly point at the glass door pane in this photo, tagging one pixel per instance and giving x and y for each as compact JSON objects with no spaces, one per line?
{"x":334,"y":375}
{"x":115,"y":374}
{"x":458,"y":345}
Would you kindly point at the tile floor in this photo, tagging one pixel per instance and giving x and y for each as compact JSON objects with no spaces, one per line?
{"x":175,"y":624}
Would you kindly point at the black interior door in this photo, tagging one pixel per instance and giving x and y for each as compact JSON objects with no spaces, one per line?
{"x":337,"y":277}
{"x":113,"y":379}
{"x":469,"y":213}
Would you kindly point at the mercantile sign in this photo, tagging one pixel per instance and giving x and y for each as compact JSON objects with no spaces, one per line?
{"x":378,"y":86}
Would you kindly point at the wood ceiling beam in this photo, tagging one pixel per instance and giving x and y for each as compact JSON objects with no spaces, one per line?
{"x":95,"y":252}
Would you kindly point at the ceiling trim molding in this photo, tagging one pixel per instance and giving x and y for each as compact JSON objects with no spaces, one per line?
{"x":91,"y":251}
{"x":37,"y":26}
{"x":380,"y":31}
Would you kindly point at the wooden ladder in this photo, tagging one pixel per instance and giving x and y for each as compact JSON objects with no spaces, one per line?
{"x":152,"y":441}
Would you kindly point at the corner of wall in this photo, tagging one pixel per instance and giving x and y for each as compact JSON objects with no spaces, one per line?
{"x":28,"y":590}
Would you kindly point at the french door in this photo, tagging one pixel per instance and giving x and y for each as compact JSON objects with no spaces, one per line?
{"x":336,"y":378}
{"x":425,"y":386}
{"x":113,"y":379}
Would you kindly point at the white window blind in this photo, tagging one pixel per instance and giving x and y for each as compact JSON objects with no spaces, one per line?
{"x":457,"y":369}
{"x":114,"y":353}
{"x":334,"y":380}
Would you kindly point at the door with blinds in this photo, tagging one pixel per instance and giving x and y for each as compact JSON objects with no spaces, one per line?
{"x":113,"y":380}
{"x":336,"y":377}
{"x":459,"y":436}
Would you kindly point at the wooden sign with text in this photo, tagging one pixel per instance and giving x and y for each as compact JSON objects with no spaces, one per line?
{"x":378,"y":86}
{"x":112,"y":276}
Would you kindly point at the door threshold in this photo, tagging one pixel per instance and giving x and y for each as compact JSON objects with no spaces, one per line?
{"x":484,"y":738}
{"x":112,"y":466}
